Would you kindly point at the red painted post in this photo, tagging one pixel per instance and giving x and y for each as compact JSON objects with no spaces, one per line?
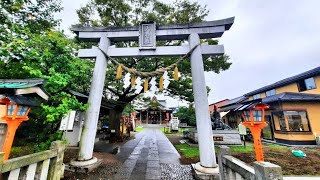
{"x":122,"y":128}
{"x":256,"y":133}
{"x":11,"y":131}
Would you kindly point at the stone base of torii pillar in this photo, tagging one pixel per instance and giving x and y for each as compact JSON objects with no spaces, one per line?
{"x":205,"y":173}
{"x":83,"y":166}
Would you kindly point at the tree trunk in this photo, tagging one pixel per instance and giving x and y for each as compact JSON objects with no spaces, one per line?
{"x":115,"y":119}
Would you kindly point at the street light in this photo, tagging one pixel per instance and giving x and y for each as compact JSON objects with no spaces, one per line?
{"x":254,"y":120}
{"x":15,"y":114}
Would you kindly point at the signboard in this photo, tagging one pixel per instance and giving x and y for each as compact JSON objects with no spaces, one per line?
{"x":218,"y":138}
{"x":242,"y":129}
{"x":147,"y":35}
{"x":174,"y":124}
{"x":67,"y":121}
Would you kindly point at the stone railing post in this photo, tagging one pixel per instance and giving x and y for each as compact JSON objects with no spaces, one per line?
{"x":56,"y":163}
{"x":267,"y":171}
{"x":222,"y":150}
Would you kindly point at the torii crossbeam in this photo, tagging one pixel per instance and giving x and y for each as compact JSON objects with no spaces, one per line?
{"x":147,"y":34}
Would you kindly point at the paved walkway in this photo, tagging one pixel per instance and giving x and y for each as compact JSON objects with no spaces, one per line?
{"x":151,"y":156}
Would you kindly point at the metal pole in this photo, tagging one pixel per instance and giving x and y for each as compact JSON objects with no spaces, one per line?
{"x":122,"y":127}
{"x":140,"y":117}
{"x":147,"y":117}
{"x":205,"y":139}
{"x":92,"y":114}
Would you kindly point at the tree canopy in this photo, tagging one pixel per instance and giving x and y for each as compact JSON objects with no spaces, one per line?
{"x":31,"y":48}
{"x":187,"y":115}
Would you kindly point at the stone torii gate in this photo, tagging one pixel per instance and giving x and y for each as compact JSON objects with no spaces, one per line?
{"x":147,"y":34}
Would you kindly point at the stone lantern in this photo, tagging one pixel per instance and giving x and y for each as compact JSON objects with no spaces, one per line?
{"x":17,"y":96}
{"x":17,"y":110}
{"x":254,"y":120}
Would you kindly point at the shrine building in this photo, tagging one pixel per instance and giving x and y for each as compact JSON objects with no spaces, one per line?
{"x":155,"y":112}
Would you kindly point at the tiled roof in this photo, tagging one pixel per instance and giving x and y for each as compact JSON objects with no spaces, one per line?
{"x":229,"y":107}
{"x":78,"y":94}
{"x":235,"y":100}
{"x":218,"y":102}
{"x":304,"y":75}
{"x":283,"y":97}
{"x":289,"y":96}
{"x":20,"y":83}
{"x":233,"y":104}
{"x":23,"y":100}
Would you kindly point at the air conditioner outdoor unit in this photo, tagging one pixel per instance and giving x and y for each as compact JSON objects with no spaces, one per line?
{"x":318,"y":140}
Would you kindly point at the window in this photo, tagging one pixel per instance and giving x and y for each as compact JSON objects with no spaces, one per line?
{"x":291,"y":121}
{"x":232,"y":121}
{"x":270,"y":92}
{"x":22,"y":110}
{"x":257,"y":96}
{"x":306,"y":84}
{"x":11,"y":109}
{"x":257,"y":115}
{"x":3,"y":128}
{"x":247,"y":114}
{"x":267,"y":132}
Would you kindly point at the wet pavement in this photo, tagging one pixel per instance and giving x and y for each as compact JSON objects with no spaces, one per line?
{"x":151,"y":156}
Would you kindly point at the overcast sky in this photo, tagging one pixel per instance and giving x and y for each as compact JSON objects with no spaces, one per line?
{"x":270,"y":40}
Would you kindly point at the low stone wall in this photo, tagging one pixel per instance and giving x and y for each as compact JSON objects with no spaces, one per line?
{"x":221,"y":137}
{"x":234,"y":169}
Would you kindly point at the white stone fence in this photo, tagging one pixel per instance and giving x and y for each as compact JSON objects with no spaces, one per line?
{"x":40,"y":166}
{"x":232,"y":168}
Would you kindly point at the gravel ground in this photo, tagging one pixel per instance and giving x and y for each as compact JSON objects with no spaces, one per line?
{"x":176,"y":172}
{"x":109,"y":166}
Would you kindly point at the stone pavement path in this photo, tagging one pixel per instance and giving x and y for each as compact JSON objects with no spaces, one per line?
{"x":151,"y":156}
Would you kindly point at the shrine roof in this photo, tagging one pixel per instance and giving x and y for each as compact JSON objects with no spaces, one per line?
{"x":20,"y":83}
{"x":26,"y":87}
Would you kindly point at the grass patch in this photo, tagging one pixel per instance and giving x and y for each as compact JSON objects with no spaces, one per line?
{"x":241,"y":149}
{"x":276,"y":147}
{"x":162,"y":130}
{"x":17,"y":151}
{"x":139,"y":129}
{"x":249,"y":147}
{"x":188,"y":151}
{"x":168,"y":131}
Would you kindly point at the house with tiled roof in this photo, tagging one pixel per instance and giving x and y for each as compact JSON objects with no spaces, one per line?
{"x":294,"y":114}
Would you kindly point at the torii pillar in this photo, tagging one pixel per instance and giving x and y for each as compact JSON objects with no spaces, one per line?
{"x":89,"y":130}
{"x":205,"y":140}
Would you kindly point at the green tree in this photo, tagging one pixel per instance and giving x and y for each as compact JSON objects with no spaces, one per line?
{"x":36,"y":15}
{"x":30,"y":48}
{"x":131,"y":12}
{"x":187,"y":115}
{"x":128,"y":109}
